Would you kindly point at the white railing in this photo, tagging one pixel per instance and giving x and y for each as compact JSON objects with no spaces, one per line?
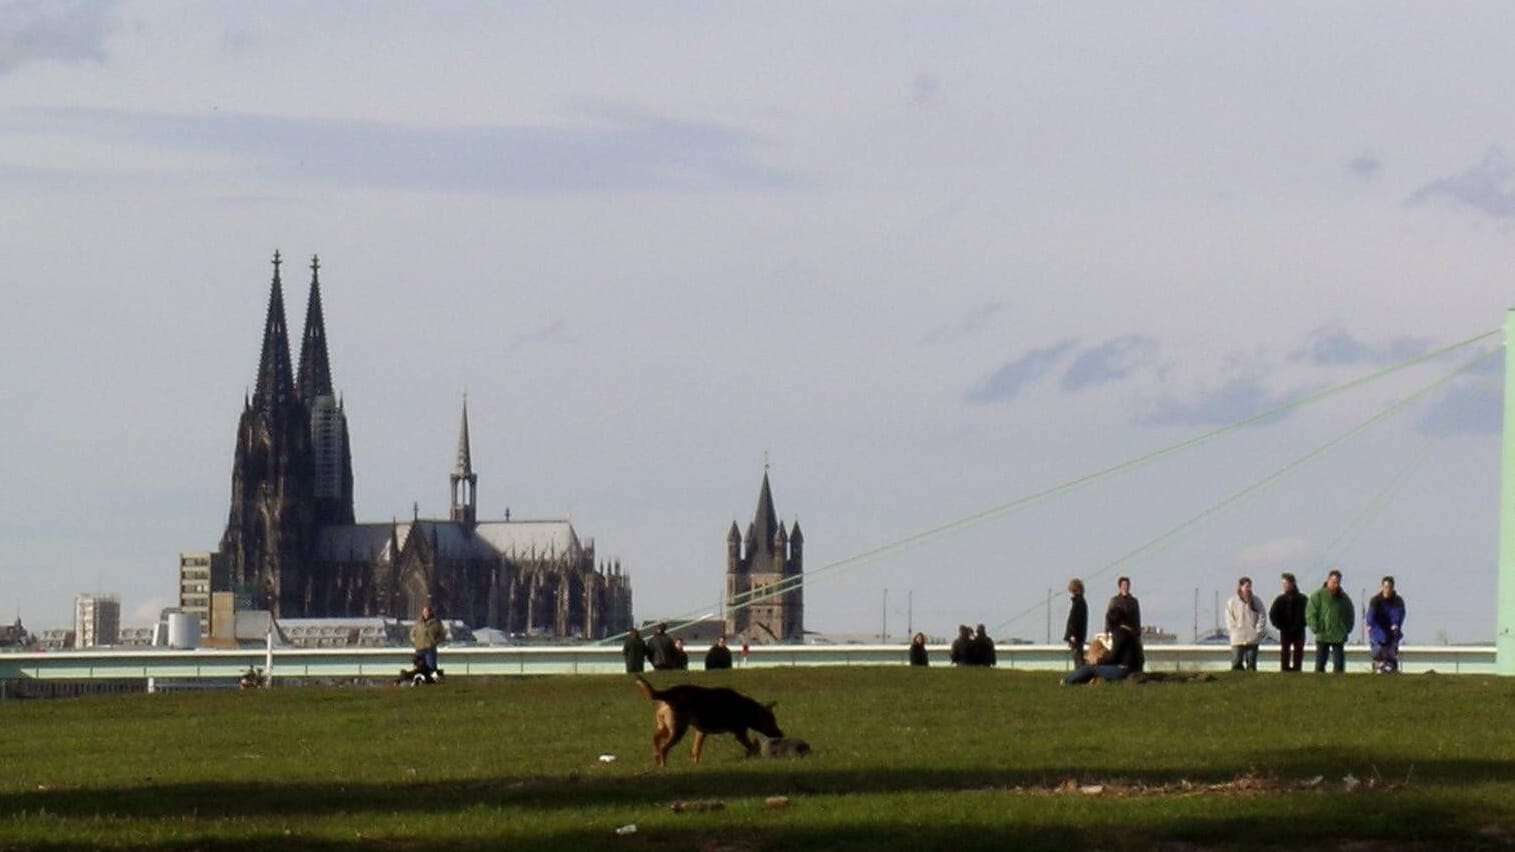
{"x":349,"y":663}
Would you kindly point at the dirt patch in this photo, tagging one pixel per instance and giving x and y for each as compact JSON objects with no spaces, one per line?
{"x":1249,"y":784}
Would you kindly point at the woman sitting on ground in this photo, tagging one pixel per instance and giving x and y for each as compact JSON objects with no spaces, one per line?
{"x":1100,"y":665}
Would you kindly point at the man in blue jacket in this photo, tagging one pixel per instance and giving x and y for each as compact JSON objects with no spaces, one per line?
{"x":1386,"y":618}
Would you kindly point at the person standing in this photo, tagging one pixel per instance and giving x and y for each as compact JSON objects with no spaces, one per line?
{"x":1330,"y":616}
{"x":635,"y":651}
{"x":961,"y":652}
{"x":983,"y":648}
{"x":719,"y":656}
{"x":660,"y":650}
{"x":680,"y":656}
{"x":1288,"y":617}
{"x":1247,"y":624}
{"x":425,"y":635}
{"x":1386,"y":618}
{"x":918,"y":656}
{"x":1123,"y":621}
{"x":1077,"y":630}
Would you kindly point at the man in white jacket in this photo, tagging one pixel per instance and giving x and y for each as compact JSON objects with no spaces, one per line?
{"x":1247,"y":624}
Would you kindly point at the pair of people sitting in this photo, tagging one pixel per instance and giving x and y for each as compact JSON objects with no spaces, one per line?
{"x":1106,"y":660}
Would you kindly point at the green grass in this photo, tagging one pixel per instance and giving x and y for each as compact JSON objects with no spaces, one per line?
{"x":930,"y":759}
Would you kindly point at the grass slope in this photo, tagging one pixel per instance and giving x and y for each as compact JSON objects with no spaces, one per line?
{"x":931,"y":759}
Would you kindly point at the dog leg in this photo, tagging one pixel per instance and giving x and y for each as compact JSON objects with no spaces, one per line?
{"x":747,"y":743}
{"x":660,"y":736}
{"x":671,"y":739}
{"x":661,"y":741}
{"x":699,"y":745}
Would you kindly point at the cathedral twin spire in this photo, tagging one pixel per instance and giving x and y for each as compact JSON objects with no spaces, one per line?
{"x":315,"y":365}
{"x":276,"y":381}
{"x":278,"y":384}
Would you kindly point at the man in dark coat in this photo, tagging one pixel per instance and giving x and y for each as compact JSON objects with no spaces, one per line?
{"x":961,"y":652}
{"x":660,"y":650}
{"x":983,"y":648}
{"x":719,"y":656}
{"x":635,"y":651}
{"x":1287,"y":614}
{"x":1123,"y":621}
{"x":1077,"y":631}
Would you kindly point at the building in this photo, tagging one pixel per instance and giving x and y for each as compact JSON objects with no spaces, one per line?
{"x":97,"y":620}
{"x":352,"y":632}
{"x":14,"y":635}
{"x":138,"y":637}
{"x":56,"y":639}
{"x":194,"y":587}
{"x":765,"y":598}
{"x":292,"y":546}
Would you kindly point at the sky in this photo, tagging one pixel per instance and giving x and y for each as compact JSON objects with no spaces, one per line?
{"x":926,"y":260}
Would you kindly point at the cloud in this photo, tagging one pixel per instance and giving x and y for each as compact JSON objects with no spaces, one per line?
{"x":1488,"y":187}
{"x":970,"y":323}
{"x":53,"y":31}
{"x":1234,"y":401}
{"x":1365,"y":166}
{"x":619,"y":153}
{"x":555,"y":332}
{"x":1472,"y":405}
{"x":1109,"y":361}
{"x":145,"y":613}
{"x":1333,"y":346}
{"x":926,"y":89}
{"x":236,"y":40}
{"x":1273,"y":553}
{"x":1006,"y":382}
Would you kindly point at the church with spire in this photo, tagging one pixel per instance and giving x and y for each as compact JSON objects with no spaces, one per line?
{"x":293,"y":546}
{"x":765,"y":598}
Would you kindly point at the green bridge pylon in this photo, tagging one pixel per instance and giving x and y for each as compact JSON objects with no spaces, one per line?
{"x":1504,"y":639}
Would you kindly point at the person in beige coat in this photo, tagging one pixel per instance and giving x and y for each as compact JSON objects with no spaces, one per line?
{"x":1247,"y":625}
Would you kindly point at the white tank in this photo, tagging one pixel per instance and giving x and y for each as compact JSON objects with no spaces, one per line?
{"x":183,"y":630}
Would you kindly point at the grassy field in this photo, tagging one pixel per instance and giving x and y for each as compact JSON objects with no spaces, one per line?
{"x":930,"y":759}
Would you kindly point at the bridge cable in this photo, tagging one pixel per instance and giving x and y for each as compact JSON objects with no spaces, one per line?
{"x":768,"y":593}
{"x":1259,"y":485}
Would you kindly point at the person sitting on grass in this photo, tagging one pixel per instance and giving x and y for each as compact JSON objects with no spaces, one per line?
{"x":1099,"y":665}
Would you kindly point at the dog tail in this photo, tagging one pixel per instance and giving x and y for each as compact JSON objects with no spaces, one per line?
{"x":647,"y":689}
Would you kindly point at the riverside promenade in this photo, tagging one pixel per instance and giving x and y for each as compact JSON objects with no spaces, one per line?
{"x":170,"y":667}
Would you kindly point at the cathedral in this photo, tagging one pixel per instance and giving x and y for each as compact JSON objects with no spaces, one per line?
{"x":292,"y":545}
{"x":765,"y":601}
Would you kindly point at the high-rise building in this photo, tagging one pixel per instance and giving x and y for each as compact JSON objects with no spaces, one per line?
{"x":291,"y":544}
{"x":97,"y":620}
{"x":194,"y":587}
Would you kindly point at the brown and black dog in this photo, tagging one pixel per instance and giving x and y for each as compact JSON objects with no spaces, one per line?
{"x":709,"y":711}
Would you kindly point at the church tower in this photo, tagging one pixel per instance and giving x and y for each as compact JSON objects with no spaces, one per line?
{"x":465,"y":483}
{"x":331,"y":453}
{"x":269,"y":527}
{"x":764,"y":598}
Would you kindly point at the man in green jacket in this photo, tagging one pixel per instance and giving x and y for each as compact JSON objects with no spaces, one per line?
{"x":426,"y":634}
{"x":1330,"y":616}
